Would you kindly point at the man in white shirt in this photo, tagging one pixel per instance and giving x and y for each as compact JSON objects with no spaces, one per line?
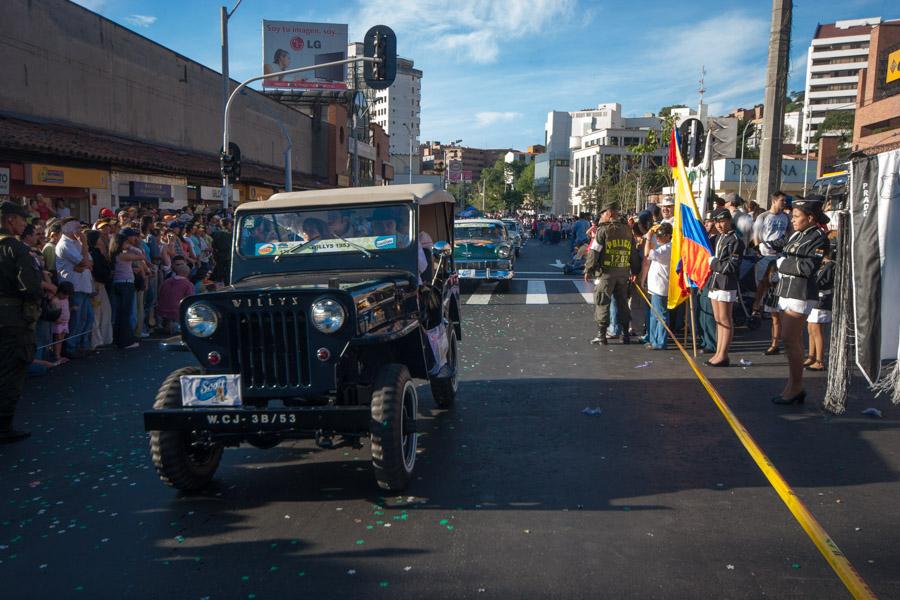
{"x":73,"y":263}
{"x":770,"y":228}
{"x":655,"y":279}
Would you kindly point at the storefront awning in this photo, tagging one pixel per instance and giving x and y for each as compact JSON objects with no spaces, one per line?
{"x":64,"y":141}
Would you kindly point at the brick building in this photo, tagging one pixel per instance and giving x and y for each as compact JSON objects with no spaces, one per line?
{"x":877,"y":124}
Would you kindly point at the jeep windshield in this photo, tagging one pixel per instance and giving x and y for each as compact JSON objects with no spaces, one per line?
{"x":379,"y":228}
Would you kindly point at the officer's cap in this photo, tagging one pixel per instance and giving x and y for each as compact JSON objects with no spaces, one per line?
{"x":12,"y":208}
{"x":722,"y":214}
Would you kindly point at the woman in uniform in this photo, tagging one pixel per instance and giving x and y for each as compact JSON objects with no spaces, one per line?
{"x":723,"y":291}
{"x":797,"y":290}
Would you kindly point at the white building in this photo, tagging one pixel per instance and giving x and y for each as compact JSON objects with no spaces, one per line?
{"x":398,"y":110}
{"x":793,"y":127}
{"x":555,"y":161}
{"x":601,"y":139}
{"x":837,"y":53}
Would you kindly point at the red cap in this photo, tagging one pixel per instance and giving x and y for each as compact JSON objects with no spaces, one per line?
{"x":107,"y":213}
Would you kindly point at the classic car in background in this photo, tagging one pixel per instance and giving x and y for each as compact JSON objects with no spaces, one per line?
{"x":483,"y":250}
{"x":516,"y":234}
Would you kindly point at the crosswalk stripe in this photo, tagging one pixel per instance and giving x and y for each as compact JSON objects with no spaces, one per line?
{"x":586,"y":289}
{"x":483,"y":294}
{"x":537,"y":293}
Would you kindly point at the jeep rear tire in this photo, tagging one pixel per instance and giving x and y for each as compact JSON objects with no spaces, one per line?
{"x":443,"y":389}
{"x":394,"y":438}
{"x":182,"y":460}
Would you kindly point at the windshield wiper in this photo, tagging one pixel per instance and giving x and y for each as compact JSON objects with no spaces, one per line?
{"x":368,"y":253}
{"x":295,"y":249}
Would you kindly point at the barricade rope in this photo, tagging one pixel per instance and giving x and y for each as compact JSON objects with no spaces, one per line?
{"x":826,"y":545}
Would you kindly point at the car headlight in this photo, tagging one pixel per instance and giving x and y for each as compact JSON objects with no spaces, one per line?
{"x":201,"y":319}
{"x":504,"y":251}
{"x":328,"y":315}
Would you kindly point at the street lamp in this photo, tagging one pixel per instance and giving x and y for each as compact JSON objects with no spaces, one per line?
{"x":226,"y":14}
{"x":741,"y":167}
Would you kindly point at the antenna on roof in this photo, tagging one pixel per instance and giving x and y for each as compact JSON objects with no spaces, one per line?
{"x":702,"y":89}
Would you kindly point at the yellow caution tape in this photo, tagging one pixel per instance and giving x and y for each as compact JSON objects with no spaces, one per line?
{"x":829,"y":549}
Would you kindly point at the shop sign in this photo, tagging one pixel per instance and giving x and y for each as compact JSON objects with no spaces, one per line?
{"x":39,"y":174}
{"x":215,"y":193}
{"x":161,"y":191}
{"x":4,"y":182}
{"x":792,"y":171}
{"x":259,"y":193}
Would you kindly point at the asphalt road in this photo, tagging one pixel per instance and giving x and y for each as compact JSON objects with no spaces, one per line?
{"x":517,"y":493}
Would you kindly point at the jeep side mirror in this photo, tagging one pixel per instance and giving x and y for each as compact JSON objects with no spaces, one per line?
{"x":441,"y":249}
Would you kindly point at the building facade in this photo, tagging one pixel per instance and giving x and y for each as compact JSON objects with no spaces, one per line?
{"x":601,"y":141}
{"x":397,"y":109}
{"x":835,"y":57}
{"x":877,"y":124}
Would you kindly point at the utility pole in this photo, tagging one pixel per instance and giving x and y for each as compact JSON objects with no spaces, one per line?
{"x":773,"y":105}
{"x":226,"y":87}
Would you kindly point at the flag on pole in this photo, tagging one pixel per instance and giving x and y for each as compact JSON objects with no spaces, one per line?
{"x":691,"y":252}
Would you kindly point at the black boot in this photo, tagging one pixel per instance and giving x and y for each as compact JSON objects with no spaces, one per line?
{"x":626,"y":339}
{"x":8,"y":435}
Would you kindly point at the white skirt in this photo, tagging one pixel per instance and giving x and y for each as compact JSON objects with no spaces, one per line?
{"x":801,"y":307}
{"x":723,"y":295}
{"x":818,"y":315}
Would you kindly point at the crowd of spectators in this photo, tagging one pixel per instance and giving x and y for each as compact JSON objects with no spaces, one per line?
{"x":120,"y":278}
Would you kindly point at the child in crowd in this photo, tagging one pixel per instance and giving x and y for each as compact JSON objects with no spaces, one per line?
{"x":172,"y":291}
{"x":60,"y":329}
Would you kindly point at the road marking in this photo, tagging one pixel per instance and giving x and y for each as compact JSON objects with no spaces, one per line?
{"x":483,"y":294}
{"x":537,"y":293}
{"x":586,"y":289}
{"x":538,"y":273}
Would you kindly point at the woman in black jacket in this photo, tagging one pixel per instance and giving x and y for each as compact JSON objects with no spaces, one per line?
{"x":723,"y":290}
{"x":797,"y":290}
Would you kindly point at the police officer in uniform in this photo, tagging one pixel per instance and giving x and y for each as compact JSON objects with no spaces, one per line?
{"x":20,"y":296}
{"x":797,"y":290}
{"x":610,"y":264}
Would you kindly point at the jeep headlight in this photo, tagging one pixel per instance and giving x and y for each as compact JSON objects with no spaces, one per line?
{"x":327,"y":315}
{"x":504,"y":251}
{"x":201,"y":319}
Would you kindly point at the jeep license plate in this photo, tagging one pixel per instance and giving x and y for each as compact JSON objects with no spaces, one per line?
{"x":211,"y":390}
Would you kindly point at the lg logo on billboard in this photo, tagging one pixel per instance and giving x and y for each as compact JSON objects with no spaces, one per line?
{"x":298,"y":44}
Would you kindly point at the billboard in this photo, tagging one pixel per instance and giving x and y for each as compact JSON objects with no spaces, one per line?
{"x":290,"y":44}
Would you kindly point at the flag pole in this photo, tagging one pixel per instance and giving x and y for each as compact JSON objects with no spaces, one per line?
{"x":693,"y":323}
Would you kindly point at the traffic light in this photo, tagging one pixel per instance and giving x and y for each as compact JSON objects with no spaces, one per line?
{"x":380,"y":43}
{"x":230,"y":162}
{"x":692,"y":142}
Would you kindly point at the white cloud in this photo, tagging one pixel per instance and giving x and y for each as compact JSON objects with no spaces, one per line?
{"x":469,"y":30}
{"x":487,"y":118}
{"x":140,"y":20}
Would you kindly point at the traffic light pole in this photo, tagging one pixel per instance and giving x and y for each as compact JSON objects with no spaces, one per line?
{"x":226,"y":184}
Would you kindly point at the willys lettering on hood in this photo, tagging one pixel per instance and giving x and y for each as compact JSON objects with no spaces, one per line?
{"x":264,"y":301}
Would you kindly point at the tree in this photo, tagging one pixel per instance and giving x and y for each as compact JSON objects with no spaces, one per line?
{"x":837,"y":121}
{"x":665,"y":111}
{"x":795,"y":101}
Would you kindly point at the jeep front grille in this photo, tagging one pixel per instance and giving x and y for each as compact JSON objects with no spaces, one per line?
{"x":271,"y":349}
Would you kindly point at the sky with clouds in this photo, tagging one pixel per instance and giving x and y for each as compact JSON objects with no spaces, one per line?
{"x":494,"y":68}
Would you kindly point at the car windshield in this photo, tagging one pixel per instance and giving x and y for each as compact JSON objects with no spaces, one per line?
{"x":478,"y":231}
{"x":829,"y":184}
{"x":383,"y":227}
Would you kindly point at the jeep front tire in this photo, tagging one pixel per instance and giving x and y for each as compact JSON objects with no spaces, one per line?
{"x":394,"y":438}
{"x":182,"y":459}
